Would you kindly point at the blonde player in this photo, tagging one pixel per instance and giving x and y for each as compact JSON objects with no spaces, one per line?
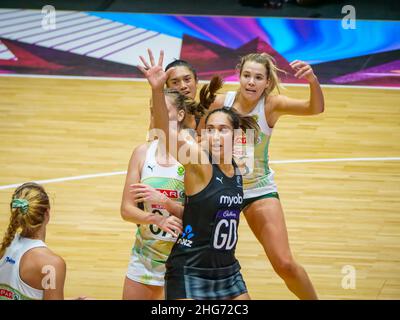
{"x":28,"y":268}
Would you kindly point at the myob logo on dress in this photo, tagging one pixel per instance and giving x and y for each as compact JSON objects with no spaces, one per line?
{"x":229,"y":200}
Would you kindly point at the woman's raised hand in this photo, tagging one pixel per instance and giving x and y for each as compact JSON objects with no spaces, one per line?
{"x":154,"y":73}
{"x":303,"y":70}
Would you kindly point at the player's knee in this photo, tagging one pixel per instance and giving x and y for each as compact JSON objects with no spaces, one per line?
{"x":286,"y":268}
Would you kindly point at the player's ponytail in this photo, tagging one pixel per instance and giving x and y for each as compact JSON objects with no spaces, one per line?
{"x":28,"y":207}
{"x":208,"y":92}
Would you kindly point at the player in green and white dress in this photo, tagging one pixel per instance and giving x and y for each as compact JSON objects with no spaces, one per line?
{"x":156,"y":228}
{"x":156,"y":181}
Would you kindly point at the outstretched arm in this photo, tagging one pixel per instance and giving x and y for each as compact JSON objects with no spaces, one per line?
{"x":157,"y":77}
{"x":195,"y":172}
{"x":151,"y":124}
{"x":283,"y":105}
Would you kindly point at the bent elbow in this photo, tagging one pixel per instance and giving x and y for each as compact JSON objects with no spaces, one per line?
{"x":320,"y":110}
{"x":123,"y":213}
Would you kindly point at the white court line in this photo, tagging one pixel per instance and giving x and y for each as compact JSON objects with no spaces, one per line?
{"x":115,"y":173}
{"x":201,"y":81}
{"x":337,"y":160}
{"x":85,"y":176}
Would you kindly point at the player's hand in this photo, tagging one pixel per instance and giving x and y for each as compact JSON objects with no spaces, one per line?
{"x":154,"y":73}
{"x":144,"y":193}
{"x":303,"y":70}
{"x":170,"y":224}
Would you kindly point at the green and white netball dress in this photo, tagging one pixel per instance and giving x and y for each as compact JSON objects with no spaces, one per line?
{"x":153,"y":245}
{"x":258,"y":180}
{"x":11,"y":285}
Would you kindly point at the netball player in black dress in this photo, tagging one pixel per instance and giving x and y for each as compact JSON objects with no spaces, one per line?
{"x":202,"y":264}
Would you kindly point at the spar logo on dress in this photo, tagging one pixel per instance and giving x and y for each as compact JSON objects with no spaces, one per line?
{"x":186,"y":236}
{"x":172,"y":194}
{"x":9,"y":295}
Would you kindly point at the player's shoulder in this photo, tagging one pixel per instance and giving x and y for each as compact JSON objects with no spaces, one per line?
{"x":275,"y":101}
{"x":218,"y":102}
{"x":140,"y":150}
{"x":43,"y":256}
